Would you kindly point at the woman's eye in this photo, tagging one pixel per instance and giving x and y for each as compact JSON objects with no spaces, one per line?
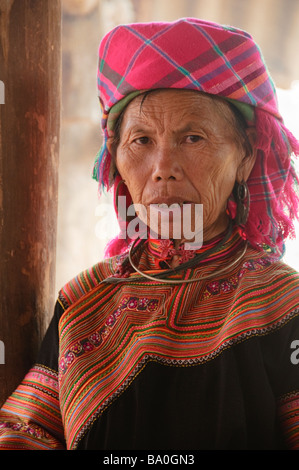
{"x":142,"y":140}
{"x":192,"y":139}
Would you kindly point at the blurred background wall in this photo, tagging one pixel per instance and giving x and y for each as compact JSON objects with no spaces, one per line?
{"x":85,"y":222}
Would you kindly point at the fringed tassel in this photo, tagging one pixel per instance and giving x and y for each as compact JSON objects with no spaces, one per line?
{"x":102,"y":166}
{"x":121,"y":242}
{"x":272,"y":185}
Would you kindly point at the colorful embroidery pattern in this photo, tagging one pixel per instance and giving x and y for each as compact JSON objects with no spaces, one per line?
{"x":108,"y":333}
{"x":289,"y":416}
{"x":226,"y":285}
{"x":19,"y":435}
{"x":86,"y":281}
{"x":33,"y":430}
{"x":114,"y":330}
{"x":97,"y":338}
{"x":33,"y":411}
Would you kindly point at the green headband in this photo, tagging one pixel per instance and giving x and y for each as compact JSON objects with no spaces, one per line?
{"x":245,"y":109}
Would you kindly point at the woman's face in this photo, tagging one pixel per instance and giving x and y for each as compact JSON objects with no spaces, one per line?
{"x":181,"y":146}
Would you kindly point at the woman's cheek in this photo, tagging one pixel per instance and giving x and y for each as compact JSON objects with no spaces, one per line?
{"x":128,"y":160}
{"x":123,"y":162}
{"x":213,"y":199}
{"x":133,"y":177}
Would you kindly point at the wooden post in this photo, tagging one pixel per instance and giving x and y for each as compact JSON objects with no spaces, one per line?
{"x":30,"y":71}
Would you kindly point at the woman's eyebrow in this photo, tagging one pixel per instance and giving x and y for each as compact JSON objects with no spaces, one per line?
{"x":139,"y":128}
{"x":191,"y":121}
{"x":191,"y":126}
{"x":188,"y":127}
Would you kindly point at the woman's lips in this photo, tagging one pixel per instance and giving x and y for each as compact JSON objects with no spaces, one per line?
{"x":169,"y":201}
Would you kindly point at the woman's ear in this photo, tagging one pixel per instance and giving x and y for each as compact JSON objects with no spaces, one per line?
{"x":249,"y":157}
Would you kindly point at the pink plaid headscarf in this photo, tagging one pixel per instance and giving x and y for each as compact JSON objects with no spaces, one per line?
{"x":198,"y":55}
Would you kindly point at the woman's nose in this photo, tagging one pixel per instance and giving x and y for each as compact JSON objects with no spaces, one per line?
{"x":167,"y":165}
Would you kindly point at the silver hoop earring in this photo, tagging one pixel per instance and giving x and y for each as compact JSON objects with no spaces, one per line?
{"x":242,"y":198}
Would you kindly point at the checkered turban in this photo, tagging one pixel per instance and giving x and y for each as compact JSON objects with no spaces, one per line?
{"x":193,"y":54}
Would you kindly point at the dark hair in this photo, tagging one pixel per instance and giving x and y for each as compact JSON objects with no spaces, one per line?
{"x":240,"y":128}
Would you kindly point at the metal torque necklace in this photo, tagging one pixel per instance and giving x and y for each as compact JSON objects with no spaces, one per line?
{"x":183,"y":281}
{"x":189,"y":264}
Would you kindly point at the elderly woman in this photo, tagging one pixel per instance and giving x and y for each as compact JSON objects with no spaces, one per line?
{"x":165,"y":344}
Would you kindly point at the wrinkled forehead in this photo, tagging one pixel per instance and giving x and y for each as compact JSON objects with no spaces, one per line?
{"x":177,"y":109}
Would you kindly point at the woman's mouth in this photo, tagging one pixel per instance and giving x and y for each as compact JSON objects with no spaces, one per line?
{"x":169,"y":201}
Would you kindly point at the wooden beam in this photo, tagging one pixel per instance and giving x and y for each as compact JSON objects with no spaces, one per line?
{"x":30,"y":70}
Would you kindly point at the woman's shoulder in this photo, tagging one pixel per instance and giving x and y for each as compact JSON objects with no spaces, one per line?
{"x":271,"y":281}
{"x":86,"y":281}
{"x":272,"y":270}
{"x":281,"y":269}
{"x":267,"y":261}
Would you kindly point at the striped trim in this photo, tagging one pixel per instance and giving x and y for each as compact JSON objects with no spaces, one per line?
{"x":86,"y":281}
{"x":31,"y":418}
{"x":289,"y":416}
